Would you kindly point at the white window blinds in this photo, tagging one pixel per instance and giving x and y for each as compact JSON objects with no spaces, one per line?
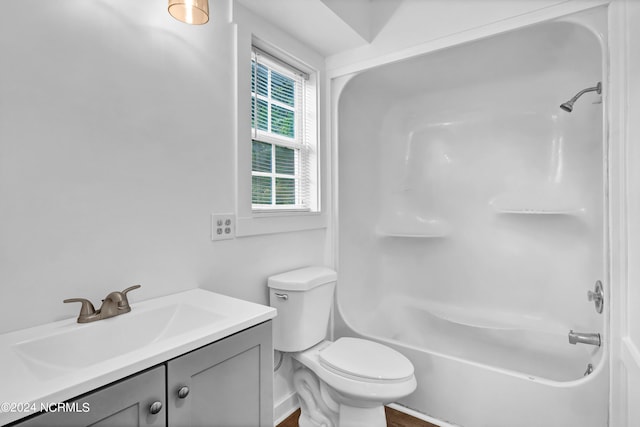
{"x":280,"y":141}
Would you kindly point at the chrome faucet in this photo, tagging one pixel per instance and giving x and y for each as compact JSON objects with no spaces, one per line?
{"x":114,"y":304}
{"x":584,"y":338}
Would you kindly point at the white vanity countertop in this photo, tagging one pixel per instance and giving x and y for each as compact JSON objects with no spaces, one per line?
{"x":58,"y":361}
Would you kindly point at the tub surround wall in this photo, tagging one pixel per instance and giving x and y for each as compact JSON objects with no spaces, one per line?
{"x":117,"y":142}
{"x":477,"y":226}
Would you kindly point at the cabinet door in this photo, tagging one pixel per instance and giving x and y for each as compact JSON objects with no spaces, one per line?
{"x":124,"y":404}
{"x":229,"y":382}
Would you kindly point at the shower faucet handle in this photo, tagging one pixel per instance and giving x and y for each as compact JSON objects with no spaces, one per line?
{"x":597,"y":296}
{"x":593,"y":296}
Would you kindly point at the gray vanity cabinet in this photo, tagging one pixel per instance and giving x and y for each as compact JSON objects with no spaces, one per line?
{"x":125,"y":403}
{"x":226,"y":384}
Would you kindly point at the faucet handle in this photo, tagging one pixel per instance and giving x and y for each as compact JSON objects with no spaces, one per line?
{"x":597,"y":296}
{"x":86,"y":310}
{"x":593,"y":296}
{"x":130,"y":289}
{"x":125,"y":300}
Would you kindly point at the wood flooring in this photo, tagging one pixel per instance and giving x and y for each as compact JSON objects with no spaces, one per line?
{"x":394,"y":419}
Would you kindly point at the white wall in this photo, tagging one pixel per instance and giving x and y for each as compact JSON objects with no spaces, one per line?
{"x":117,"y":142}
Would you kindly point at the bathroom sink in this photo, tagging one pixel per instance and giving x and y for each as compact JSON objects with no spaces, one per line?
{"x":57,"y":361}
{"x":88,"y":344}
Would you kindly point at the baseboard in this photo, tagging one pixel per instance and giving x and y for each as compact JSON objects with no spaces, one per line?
{"x":420,"y":415}
{"x":285,"y":407}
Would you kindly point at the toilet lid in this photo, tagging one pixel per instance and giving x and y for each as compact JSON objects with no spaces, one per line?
{"x":366,"y":359}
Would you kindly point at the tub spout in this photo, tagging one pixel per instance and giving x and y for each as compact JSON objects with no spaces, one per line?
{"x":584,"y":338}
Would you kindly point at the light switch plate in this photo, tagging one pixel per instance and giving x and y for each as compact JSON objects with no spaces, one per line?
{"x":223,"y":226}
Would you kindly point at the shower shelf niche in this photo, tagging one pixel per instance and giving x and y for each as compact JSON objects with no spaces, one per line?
{"x":537,"y":203}
{"x":413,"y":227}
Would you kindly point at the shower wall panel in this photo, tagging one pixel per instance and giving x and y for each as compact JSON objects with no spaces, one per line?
{"x":472,"y":208}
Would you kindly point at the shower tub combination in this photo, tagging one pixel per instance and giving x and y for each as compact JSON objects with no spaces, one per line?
{"x":473,"y":223}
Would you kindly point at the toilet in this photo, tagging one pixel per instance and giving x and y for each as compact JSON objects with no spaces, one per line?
{"x":345,"y":383}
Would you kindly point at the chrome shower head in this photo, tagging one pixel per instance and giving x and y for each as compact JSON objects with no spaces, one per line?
{"x":568,"y":106}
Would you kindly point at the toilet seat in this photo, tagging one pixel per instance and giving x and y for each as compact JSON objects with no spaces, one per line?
{"x":365,"y":360}
{"x":360,"y":391}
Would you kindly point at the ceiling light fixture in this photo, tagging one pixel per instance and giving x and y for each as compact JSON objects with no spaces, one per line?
{"x":194,"y":12}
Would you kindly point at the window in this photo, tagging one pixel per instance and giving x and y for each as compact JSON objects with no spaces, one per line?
{"x":282,"y":125}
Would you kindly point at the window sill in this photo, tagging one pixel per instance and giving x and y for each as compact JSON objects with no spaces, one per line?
{"x":279,"y":222}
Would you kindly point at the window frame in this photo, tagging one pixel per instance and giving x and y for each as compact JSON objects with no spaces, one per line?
{"x":297,"y":143}
{"x":249,"y":221}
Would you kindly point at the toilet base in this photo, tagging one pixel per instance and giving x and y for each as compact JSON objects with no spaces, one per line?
{"x":314,"y":410}
{"x":320,"y":409}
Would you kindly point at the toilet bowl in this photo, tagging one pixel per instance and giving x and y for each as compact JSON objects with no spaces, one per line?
{"x":339,"y":384}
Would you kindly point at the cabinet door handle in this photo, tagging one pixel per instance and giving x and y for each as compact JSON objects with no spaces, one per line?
{"x":155,"y":407}
{"x":183,"y":392}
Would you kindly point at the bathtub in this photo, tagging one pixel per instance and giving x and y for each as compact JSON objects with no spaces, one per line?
{"x":493,"y":374}
{"x":532,"y":347}
{"x":472,"y":220}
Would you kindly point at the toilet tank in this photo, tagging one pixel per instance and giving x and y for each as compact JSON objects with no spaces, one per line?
{"x":303,"y":299}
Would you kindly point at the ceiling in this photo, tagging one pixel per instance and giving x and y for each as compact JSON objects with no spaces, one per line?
{"x":327,"y":26}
